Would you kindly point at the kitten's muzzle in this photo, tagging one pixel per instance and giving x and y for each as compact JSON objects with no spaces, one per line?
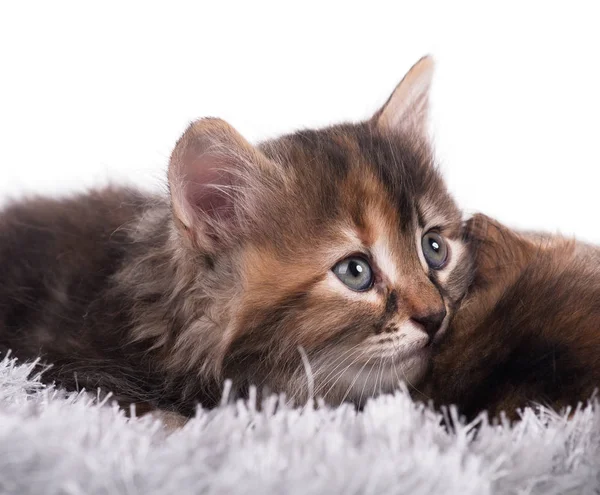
{"x":431,"y":322}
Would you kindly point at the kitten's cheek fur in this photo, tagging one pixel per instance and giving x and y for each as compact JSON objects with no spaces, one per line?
{"x":401,"y":337}
{"x":332,"y":284}
{"x":362,"y":380}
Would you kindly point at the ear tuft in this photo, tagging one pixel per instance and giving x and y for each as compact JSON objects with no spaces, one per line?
{"x":407,"y":109}
{"x":204,"y":178}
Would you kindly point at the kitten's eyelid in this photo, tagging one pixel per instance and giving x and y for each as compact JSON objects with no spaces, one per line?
{"x":448,"y":232}
{"x":356,"y":254}
{"x":441,"y":228}
{"x":430,"y":219}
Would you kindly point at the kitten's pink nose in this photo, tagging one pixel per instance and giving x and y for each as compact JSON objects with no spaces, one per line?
{"x":431,"y":322}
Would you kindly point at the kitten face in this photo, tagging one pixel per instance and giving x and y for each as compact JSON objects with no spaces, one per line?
{"x":341,"y":246}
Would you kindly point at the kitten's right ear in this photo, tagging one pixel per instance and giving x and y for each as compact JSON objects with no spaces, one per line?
{"x":498,"y":251}
{"x":207,"y":171}
{"x":407,"y":109}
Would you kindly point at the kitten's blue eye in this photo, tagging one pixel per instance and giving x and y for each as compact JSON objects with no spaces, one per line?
{"x":435,"y":250}
{"x":355,"y":272}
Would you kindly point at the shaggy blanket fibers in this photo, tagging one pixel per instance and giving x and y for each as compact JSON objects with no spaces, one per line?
{"x":53,"y":442}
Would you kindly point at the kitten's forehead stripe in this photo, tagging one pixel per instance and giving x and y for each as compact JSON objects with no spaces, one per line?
{"x":322,"y":147}
{"x":387,"y":259}
{"x":323,"y":160}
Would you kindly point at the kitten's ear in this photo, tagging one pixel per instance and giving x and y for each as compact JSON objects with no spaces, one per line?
{"x":499,"y":252}
{"x":407,"y":109}
{"x":207,"y":171}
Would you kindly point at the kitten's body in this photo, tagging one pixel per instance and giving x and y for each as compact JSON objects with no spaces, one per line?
{"x":65,"y":295}
{"x":161,"y":299}
{"x":529,"y":331}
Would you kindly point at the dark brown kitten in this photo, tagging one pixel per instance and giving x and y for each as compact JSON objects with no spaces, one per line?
{"x":321,"y":262}
{"x":529,"y":331}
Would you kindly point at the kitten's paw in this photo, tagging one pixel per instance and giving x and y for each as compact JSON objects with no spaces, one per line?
{"x":171,"y":421}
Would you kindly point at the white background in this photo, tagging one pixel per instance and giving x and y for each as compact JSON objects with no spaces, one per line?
{"x":98,"y":92}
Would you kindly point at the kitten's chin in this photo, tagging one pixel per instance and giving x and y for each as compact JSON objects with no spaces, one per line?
{"x":380,"y":375}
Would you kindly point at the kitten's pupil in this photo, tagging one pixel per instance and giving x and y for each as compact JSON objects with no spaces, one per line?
{"x":355,"y":268}
{"x":435,"y":245}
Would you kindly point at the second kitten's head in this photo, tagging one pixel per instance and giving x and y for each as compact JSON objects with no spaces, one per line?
{"x":326,"y":257}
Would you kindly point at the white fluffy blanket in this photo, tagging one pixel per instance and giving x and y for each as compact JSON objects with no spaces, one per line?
{"x":52,"y":442}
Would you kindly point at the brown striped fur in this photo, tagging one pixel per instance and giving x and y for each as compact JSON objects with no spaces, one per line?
{"x":529,"y":330}
{"x":162,"y":299}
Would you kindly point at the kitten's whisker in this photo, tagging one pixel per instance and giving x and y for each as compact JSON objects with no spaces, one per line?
{"x":395,"y":369}
{"x":355,"y":378}
{"x":337,"y":362}
{"x":381,"y":368}
{"x":341,"y":373}
{"x":366,"y":382}
{"x":309,"y":374}
{"x":350,"y":353}
{"x":408,"y":382}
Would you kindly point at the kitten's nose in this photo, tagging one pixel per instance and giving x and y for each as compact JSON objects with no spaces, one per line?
{"x":431,"y":322}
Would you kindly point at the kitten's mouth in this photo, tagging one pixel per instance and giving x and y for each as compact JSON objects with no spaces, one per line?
{"x":409,"y":341}
{"x":378,"y":365}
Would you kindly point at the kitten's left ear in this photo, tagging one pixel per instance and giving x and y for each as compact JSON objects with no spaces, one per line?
{"x":407,"y":109}
{"x":209,"y":174}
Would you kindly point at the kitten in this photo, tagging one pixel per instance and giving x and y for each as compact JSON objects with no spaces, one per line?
{"x":529,"y":330}
{"x":322,"y":262}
